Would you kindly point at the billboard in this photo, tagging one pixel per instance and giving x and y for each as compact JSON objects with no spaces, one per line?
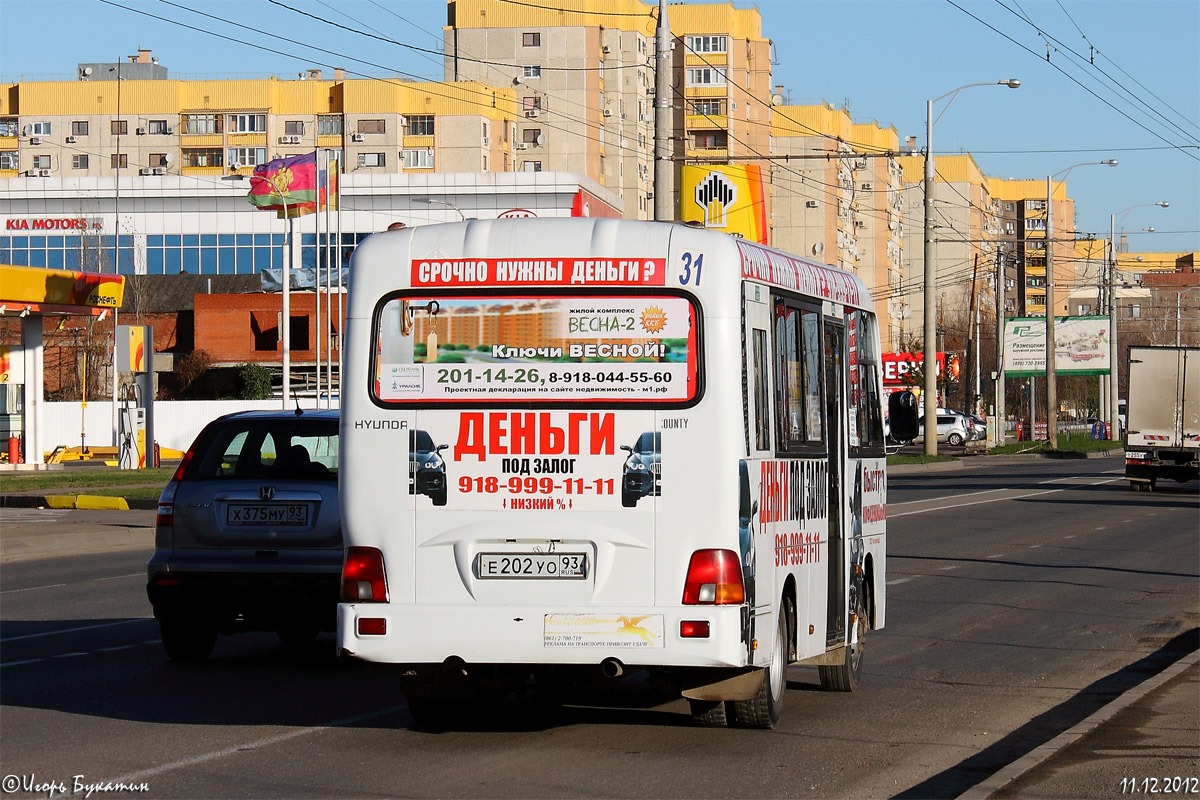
{"x":727,"y":197}
{"x":1081,"y":346}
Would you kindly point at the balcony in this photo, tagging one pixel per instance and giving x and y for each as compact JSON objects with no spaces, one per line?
{"x":708,"y":153}
{"x":708,"y":123}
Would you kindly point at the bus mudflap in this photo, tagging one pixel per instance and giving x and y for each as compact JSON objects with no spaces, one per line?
{"x":699,"y":684}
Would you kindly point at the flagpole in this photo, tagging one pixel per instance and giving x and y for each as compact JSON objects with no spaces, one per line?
{"x":317,"y":275}
{"x":341,"y":263}
{"x":286,"y":337}
{"x":328,"y":286}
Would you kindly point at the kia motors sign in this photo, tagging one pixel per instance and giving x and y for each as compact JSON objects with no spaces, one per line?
{"x":516,"y":213}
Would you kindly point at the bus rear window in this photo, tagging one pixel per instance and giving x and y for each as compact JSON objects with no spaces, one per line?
{"x":450,"y":348}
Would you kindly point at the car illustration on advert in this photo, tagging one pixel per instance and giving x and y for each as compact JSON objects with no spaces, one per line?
{"x":640,"y":475}
{"x":426,"y":467}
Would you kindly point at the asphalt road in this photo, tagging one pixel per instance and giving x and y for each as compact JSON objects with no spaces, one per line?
{"x":1021,"y":598}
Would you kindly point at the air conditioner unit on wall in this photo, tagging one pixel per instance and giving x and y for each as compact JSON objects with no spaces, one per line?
{"x":72,"y":140}
{"x":160,"y":170}
{"x":141,"y":131}
{"x":531,"y":114}
{"x":357,"y":137}
{"x":33,"y":173}
{"x":607,"y":113}
{"x":45,"y":173}
{"x":145,"y":171}
{"x":522,"y":145}
{"x":35,"y":140}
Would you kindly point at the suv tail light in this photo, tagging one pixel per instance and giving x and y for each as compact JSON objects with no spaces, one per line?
{"x":714,"y":577}
{"x":363,"y":577}
{"x":166,"y":500}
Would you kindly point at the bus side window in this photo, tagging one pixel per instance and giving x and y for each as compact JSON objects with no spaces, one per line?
{"x":762,"y":400}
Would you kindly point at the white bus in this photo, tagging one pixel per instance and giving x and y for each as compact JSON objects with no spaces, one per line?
{"x":575,"y":448}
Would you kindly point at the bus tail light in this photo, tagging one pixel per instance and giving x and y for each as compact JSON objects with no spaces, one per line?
{"x":714,"y":577}
{"x":165,"y":515}
{"x":693,"y":629}
{"x":363,"y":577}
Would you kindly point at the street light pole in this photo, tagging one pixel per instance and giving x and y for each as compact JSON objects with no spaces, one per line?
{"x":1051,"y":355}
{"x":929,"y":287}
{"x":1114,"y":389}
{"x":431,"y":200}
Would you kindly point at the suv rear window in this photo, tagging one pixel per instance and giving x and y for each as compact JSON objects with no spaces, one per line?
{"x":266,"y":448}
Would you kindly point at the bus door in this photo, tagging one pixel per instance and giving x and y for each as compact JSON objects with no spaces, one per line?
{"x":834,"y":346}
{"x":755,"y":543}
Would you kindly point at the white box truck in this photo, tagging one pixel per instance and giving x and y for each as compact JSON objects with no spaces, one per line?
{"x":1163,"y":433}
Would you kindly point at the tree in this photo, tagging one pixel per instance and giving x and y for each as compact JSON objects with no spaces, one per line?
{"x":192,"y":368}
{"x":254,"y":382}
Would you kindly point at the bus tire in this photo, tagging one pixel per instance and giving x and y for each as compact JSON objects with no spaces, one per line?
{"x":709,"y":713}
{"x":628,"y":498}
{"x":844,"y":677}
{"x":765,"y":708}
{"x":439,"y":498}
{"x":185,"y":640}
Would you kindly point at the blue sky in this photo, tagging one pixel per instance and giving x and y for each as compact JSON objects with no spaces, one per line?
{"x":884,"y":59}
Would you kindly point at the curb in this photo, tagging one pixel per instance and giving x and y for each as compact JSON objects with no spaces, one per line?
{"x":93,"y":502}
{"x":1016,"y":769}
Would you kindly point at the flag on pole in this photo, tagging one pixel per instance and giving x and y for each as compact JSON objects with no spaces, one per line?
{"x":327,"y":186}
{"x":288,"y":186}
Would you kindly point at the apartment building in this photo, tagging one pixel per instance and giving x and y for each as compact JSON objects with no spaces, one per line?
{"x":1022,"y":216}
{"x":584,"y":76}
{"x":966,"y":232}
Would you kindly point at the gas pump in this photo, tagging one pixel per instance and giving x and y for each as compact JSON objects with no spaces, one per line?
{"x":135,"y":416}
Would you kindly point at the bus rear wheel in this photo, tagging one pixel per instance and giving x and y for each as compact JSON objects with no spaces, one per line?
{"x":765,"y":708}
{"x":709,"y":713}
{"x":844,"y":677}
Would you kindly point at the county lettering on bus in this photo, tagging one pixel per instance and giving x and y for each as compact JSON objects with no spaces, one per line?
{"x":539,"y":272}
{"x":434,"y":348}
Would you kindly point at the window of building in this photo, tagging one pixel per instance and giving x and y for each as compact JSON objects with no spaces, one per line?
{"x":201,"y":123}
{"x":41,"y":162}
{"x":335,"y":155}
{"x":1036,"y":245}
{"x":8,"y":159}
{"x":1008,"y":206}
{"x":1035,"y":224}
{"x":119,"y":127}
{"x":329,"y":125}
{"x":531,"y":103}
{"x":1135,"y":310}
{"x":530,"y":135}
{"x":1085,"y":309}
{"x":158,"y":126}
{"x":531,"y":39}
{"x":532,"y":166}
{"x":372,"y":159}
{"x":203,"y":157}
{"x":705,"y":76}
{"x":1037,"y":281}
{"x":293,"y":127}
{"x":710,"y":140}
{"x":706,"y":44}
{"x":420,"y":125}
{"x":531,"y":71}
{"x":707,"y":108}
{"x":247,"y":123}
{"x":418,"y":158}
{"x":246,"y":156}
{"x":79,"y":128}
{"x":118,"y":160}
{"x":157,"y":160}
{"x":40,"y":129}
{"x":1035,"y":205}
{"x":1010,"y":228}
{"x":372,"y":126}
{"x":1037,"y":299}
{"x":79,"y":161}
{"x":8,"y":126}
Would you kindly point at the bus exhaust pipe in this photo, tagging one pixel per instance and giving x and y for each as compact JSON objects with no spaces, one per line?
{"x":612,"y":668}
{"x":454,"y":666}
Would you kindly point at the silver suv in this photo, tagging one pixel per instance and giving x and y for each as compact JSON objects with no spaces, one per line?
{"x":951,"y":428}
{"x":248,"y":533}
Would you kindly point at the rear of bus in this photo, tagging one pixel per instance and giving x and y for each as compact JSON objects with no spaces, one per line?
{"x":539,"y":473}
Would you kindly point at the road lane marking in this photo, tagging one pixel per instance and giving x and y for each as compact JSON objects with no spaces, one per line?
{"x":944,"y":569}
{"x":257,"y":743}
{"x":898,"y":580}
{"x":991,"y":500}
{"x":996,"y":555}
{"x":7,"y":639}
{"x":33,"y":588}
{"x":119,"y":577}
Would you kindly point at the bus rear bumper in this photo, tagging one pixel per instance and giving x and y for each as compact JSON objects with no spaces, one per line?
{"x":428,"y":635}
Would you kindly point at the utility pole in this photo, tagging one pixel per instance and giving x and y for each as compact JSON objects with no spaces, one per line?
{"x":999,"y":409}
{"x":663,"y":166}
{"x":972,"y":359}
{"x":1051,"y":367}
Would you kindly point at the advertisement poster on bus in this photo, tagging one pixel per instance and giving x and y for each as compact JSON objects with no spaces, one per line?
{"x":533,"y":461}
{"x":434,"y":348}
{"x":1081,"y":346}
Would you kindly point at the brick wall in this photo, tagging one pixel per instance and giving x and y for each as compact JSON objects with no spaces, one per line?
{"x":243,"y":328}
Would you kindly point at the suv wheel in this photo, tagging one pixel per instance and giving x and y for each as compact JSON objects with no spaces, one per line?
{"x":187,"y":640}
